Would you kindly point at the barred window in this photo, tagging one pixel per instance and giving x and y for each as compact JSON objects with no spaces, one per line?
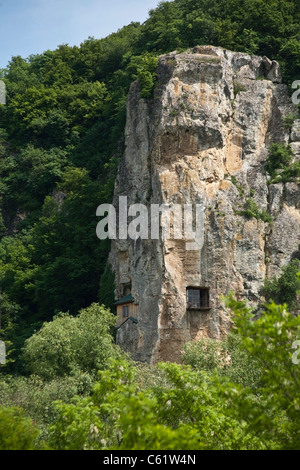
{"x":198,"y":297}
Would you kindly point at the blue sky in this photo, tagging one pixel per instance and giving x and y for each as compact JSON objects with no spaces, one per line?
{"x":33,"y":26}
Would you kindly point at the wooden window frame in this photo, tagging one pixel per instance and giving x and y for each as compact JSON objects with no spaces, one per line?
{"x":125,"y":308}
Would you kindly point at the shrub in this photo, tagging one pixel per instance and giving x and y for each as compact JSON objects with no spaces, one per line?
{"x":279,"y":164}
{"x":183,"y":413}
{"x":253,"y":211}
{"x":279,"y":158}
{"x":238,"y":88}
{"x":288,"y":121}
{"x":292,"y":173}
{"x":205,"y":354}
{"x":68,"y":344}
{"x":16,"y":431}
{"x":227,"y":358}
{"x":284,"y":288}
{"x":35,"y":396}
{"x":274,"y":414}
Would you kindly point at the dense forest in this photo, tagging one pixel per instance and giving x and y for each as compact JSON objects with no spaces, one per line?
{"x":61,"y":139}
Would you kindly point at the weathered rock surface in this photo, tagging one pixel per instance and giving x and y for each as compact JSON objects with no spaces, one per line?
{"x":204,"y":139}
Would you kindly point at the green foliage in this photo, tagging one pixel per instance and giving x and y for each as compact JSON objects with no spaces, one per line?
{"x":263,"y":28}
{"x":16,"y":431}
{"x":143,"y":68}
{"x":56,"y":264}
{"x":194,"y":399}
{"x":16,"y":267}
{"x":184,"y":414}
{"x":238,"y":186}
{"x":238,"y":88}
{"x":226,"y":358}
{"x":31,"y":176}
{"x":36,"y":397}
{"x":107,"y":288}
{"x":64,"y":120}
{"x":59,"y":151}
{"x":243,"y":369}
{"x":252,"y":211}
{"x":70,"y":344}
{"x":289,"y":119}
{"x":205,"y":354}
{"x":279,"y":164}
{"x":279,"y":157}
{"x":67,"y":252}
{"x":290,"y":53}
{"x":60,"y":111}
{"x":250,"y":401}
{"x":284,"y":288}
{"x":9,"y":313}
{"x":61,"y":136}
{"x":291,"y":174}
{"x":270,"y":338}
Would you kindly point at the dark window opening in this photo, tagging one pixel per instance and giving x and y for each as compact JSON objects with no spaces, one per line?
{"x":126,"y":289}
{"x":198,"y":298}
{"x":126,"y":311}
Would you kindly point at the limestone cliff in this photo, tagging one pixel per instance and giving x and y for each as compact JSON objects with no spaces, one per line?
{"x":204,"y":136}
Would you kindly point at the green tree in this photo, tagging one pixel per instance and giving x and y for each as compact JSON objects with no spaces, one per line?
{"x":270,"y":339}
{"x":31,"y":176}
{"x":16,"y":431}
{"x":68,"y":344}
{"x":143,"y":68}
{"x":226,"y":358}
{"x":185,"y":412}
{"x":68,"y":255}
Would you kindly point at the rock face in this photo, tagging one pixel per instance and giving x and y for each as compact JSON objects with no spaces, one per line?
{"x":204,"y":138}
